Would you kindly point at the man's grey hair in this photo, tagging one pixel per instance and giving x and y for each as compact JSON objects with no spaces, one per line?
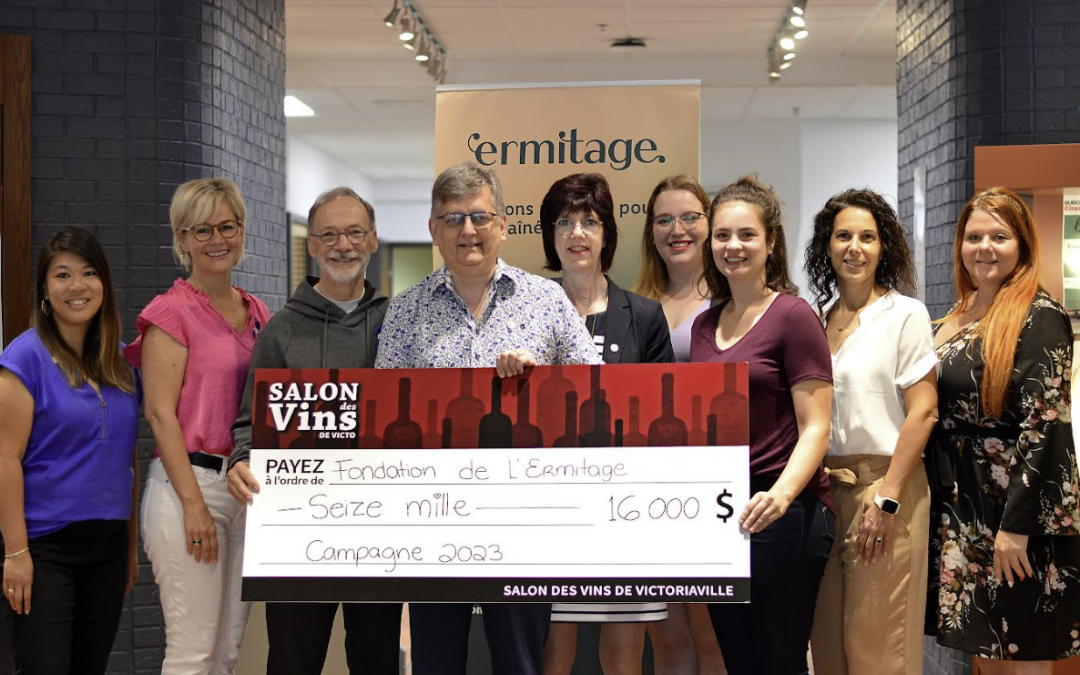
{"x":338,"y":192}
{"x":463,"y":181}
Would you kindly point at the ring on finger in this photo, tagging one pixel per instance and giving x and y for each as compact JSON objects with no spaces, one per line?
{"x":878,"y":541}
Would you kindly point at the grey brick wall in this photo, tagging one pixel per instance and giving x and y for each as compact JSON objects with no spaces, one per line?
{"x":131,"y":98}
{"x":970,"y":73}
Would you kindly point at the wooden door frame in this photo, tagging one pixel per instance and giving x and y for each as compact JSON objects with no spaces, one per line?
{"x":15,"y":184}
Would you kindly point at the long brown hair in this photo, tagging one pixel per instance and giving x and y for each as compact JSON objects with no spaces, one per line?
{"x":101,"y":360}
{"x":761,"y":196}
{"x":653,"y":280}
{"x":1007,"y":313}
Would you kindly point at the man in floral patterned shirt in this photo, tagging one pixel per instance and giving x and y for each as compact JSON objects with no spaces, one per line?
{"x":473,"y":312}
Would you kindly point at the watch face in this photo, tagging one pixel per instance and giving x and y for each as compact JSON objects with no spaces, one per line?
{"x":889,"y":506}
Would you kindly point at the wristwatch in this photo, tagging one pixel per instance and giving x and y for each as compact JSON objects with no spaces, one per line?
{"x":889,"y":506}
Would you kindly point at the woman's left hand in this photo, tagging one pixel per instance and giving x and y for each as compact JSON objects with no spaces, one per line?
{"x":762,"y":510}
{"x":1010,"y":557}
{"x":874,"y":538}
{"x":514,"y":361}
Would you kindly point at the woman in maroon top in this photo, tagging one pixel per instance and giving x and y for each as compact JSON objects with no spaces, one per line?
{"x":760,"y":320}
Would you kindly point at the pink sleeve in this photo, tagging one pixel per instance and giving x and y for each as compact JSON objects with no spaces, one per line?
{"x":162,"y":314}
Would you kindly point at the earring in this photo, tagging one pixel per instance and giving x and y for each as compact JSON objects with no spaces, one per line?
{"x":46,"y":309}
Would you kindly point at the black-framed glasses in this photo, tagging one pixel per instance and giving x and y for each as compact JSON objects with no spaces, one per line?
{"x":480,"y":219}
{"x":689,"y":220}
{"x":565,"y":226}
{"x":205,"y":232}
{"x":355,"y":235}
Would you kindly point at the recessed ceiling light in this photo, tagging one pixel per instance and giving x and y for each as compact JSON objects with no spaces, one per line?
{"x":801,"y":34}
{"x":789,"y":56}
{"x":628,"y":43}
{"x":797,"y":21}
{"x":787,"y":43}
{"x":294,"y":107}
{"x":785,"y":65}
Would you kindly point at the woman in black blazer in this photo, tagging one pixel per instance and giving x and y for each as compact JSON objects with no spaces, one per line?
{"x":577,"y":223}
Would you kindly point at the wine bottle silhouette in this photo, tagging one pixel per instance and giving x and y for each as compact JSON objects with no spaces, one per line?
{"x":466,"y":410}
{"x":697,"y":433}
{"x":331,"y":441}
{"x":369,"y":439}
{"x":551,"y":402}
{"x":634,"y":438}
{"x":594,"y":409}
{"x":496,"y":430}
{"x":447,"y":433}
{"x":569,"y":439}
{"x":264,"y":435}
{"x":710,"y":433}
{"x":667,"y":429}
{"x":403,"y":433}
{"x":731,"y":410}
{"x":600,"y":435}
{"x":618,"y":433}
{"x":525,"y":434}
{"x":433,"y":435}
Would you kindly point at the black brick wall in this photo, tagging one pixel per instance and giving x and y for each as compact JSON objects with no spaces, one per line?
{"x":131,"y":98}
{"x":970,"y":73}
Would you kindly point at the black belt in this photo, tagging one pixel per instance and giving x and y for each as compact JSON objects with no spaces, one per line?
{"x":212,"y":462}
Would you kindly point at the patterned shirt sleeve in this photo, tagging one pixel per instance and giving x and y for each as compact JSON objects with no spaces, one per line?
{"x":397,"y":335}
{"x":575,"y":344}
{"x":1042,"y":492}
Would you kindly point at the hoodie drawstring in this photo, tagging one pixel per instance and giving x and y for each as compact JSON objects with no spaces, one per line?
{"x":325,"y":333}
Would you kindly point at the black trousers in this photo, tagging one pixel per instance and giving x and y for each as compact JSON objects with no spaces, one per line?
{"x":516,"y":634}
{"x":770,"y":635}
{"x":77,"y":595}
{"x":299,"y":634}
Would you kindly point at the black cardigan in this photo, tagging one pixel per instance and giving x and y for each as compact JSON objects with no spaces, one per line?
{"x":636,"y":329}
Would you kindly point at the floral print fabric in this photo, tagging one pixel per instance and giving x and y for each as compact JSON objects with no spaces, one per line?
{"x":1017,"y":473}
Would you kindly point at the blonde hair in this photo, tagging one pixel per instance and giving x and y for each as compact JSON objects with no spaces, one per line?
{"x":653,"y":279}
{"x":194,"y":202}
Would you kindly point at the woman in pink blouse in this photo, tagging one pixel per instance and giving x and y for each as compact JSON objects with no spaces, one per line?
{"x":194,"y":348}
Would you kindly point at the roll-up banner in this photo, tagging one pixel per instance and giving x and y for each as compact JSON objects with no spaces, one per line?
{"x":1070,"y":258}
{"x":634,"y":133}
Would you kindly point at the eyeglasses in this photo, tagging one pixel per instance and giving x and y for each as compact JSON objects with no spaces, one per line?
{"x":565,"y":227}
{"x":356,"y":236}
{"x":480,"y":219}
{"x":205,"y":232}
{"x":689,"y":220}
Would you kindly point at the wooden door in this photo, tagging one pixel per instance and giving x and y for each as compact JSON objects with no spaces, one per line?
{"x":15,"y":279}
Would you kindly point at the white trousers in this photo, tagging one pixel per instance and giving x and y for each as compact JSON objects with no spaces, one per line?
{"x":204,"y":618}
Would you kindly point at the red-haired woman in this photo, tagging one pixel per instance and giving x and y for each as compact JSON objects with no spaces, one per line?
{"x":1007,"y":527}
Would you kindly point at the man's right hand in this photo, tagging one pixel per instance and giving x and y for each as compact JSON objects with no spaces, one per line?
{"x":242,"y":483}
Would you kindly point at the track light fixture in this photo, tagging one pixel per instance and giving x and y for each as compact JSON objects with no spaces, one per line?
{"x":391,"y":18}
{"x":416,"y":36}
{"x":781,"y":51}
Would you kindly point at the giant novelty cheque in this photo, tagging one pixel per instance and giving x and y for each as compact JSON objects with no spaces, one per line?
{"x":576,"y":483}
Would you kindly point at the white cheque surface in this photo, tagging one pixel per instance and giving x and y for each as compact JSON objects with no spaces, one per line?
{"x":664,"y":513}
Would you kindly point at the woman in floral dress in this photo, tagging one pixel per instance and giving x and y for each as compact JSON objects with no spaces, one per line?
{"x":1007,"y":526}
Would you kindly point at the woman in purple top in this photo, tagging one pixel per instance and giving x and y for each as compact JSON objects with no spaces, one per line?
{"x":760,"y":320}
{"x":194,"y":349}
{"x":69,"y":411}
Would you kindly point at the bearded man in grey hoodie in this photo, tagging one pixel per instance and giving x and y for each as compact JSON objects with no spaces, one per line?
{"x":329,"y":322}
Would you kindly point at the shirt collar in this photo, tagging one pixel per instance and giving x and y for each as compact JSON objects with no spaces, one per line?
{"x":504,"y":279}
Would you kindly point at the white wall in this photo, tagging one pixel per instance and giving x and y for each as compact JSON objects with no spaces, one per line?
{"x":310,"y":172}
{"x":403,"y":207}
{"x":837,"y":155}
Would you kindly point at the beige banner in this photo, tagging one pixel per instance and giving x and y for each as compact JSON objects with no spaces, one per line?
{"x":635,"y":134}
